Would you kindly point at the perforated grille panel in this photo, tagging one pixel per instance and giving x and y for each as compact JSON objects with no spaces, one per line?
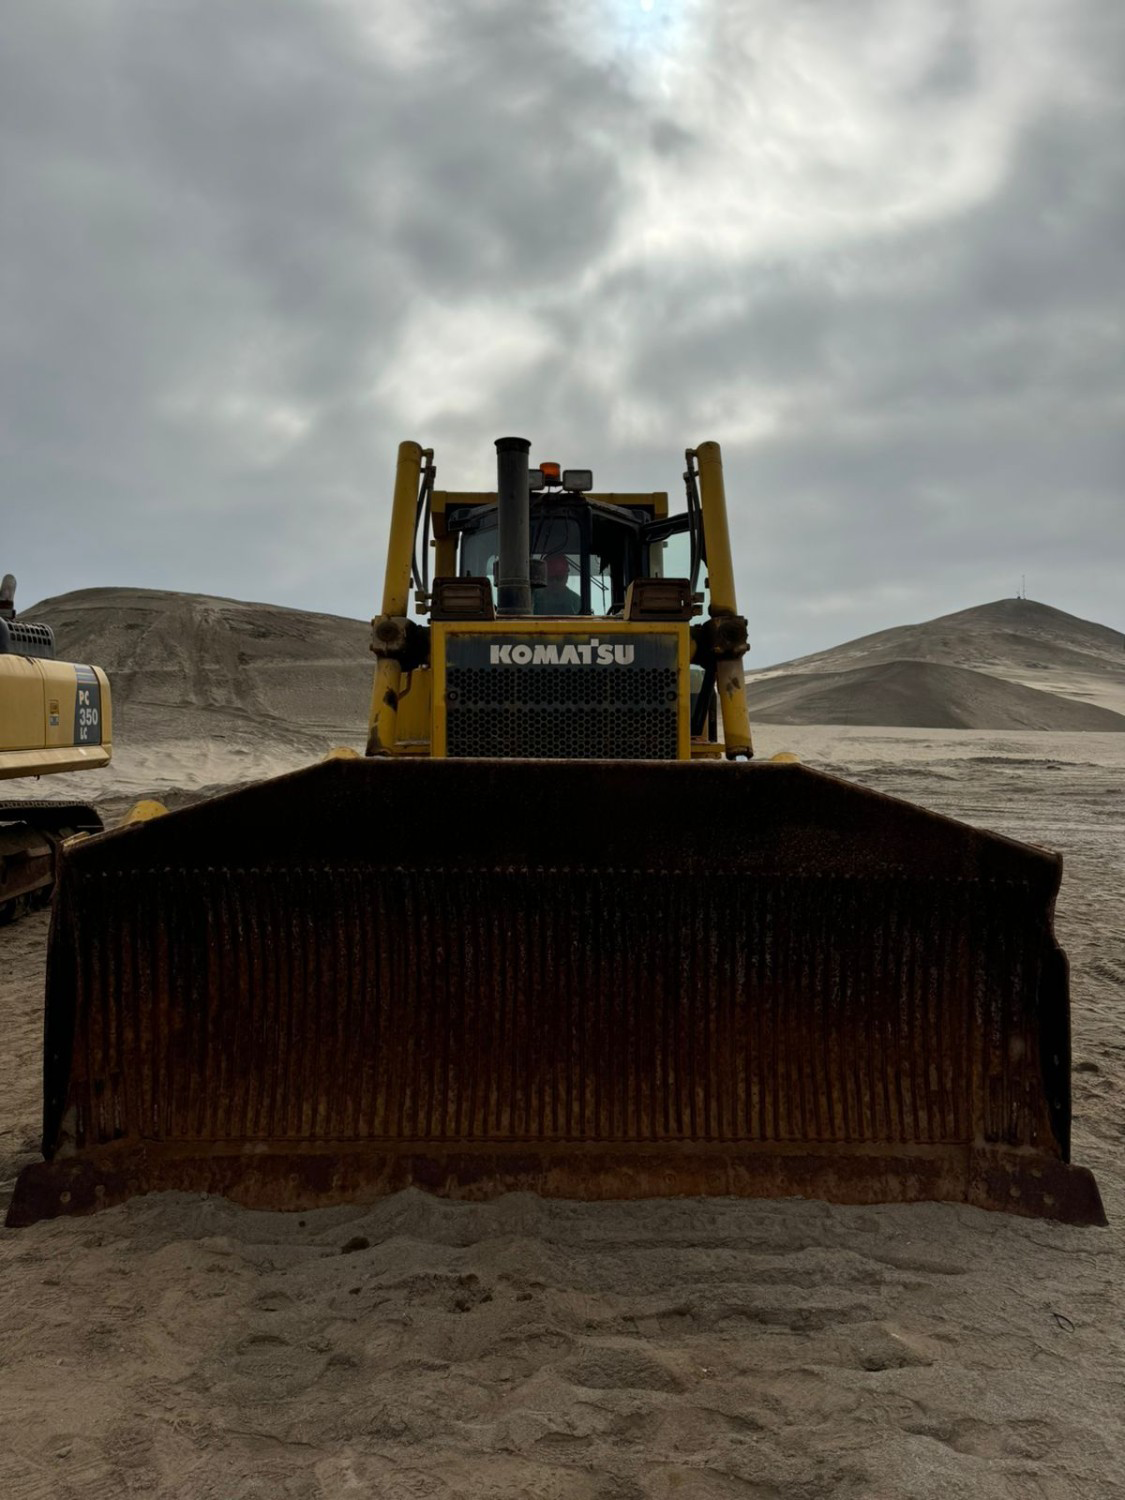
{"x":32,"y":639}
{"x":621,"y":708}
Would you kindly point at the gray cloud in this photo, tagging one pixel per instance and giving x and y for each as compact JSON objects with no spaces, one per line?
{"x":874,"y":250}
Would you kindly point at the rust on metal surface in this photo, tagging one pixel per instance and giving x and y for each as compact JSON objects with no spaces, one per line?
{"x":595,"y":981}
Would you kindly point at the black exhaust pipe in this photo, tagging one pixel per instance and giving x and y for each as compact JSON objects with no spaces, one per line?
{"x":513,"y":518}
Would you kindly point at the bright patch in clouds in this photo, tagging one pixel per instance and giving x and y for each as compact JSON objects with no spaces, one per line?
{"x":447,"y":353}
{"x":263,"y":430}
{"x":803,"y":128}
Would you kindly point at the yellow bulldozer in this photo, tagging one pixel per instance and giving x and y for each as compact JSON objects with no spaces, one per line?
{"x":557,"y":931}
{"x":55,"y":716}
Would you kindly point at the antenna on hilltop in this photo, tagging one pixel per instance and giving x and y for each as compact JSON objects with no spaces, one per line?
{"x":1023,"y":587}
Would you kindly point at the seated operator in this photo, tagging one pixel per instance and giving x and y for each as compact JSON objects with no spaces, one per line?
{"x":555,"y":598}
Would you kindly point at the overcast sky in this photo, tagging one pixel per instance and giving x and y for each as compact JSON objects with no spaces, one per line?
{"x":876,"y":248}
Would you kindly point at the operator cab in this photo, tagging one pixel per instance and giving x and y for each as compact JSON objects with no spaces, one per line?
{"x":585,"y":551}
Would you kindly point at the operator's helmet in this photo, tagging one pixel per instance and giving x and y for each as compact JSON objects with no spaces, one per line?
{"x":558,"y":568}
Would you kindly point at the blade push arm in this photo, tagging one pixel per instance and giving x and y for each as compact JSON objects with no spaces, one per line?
{"x":727,"y":626}
{"x":396,"y":595}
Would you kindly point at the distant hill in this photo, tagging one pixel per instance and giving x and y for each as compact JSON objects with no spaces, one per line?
{"x":1012,"y":664}
{"x":189,"y":665}
{"x":923,"y":695}
{"x":183,"y":665}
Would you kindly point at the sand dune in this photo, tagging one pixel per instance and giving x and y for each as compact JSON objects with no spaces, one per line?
{"x":1008,"y":635}
{"x":209,"y":692}
{"x":921,"y":695}
{"x":184,"y":664}
{"x":987,"y":655}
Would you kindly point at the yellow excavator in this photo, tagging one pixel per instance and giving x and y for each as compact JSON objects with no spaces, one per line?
{"x":557,"y":931}
{"x":55,"y":716}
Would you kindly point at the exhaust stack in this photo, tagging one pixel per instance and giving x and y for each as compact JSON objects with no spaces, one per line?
{"x":513,"y":513}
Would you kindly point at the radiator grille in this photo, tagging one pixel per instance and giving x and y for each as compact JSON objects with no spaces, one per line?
{"x":564,"y":712}
{"x":32,"y":639}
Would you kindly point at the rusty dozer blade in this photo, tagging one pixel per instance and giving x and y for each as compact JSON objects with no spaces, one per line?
{"x":587,"y":980}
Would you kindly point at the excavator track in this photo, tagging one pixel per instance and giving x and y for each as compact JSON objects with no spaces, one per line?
{"x":605,"y":980}
{"x":31,"y":833}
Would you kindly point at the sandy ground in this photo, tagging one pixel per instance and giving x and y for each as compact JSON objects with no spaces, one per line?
{"x":184,"y":1347}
